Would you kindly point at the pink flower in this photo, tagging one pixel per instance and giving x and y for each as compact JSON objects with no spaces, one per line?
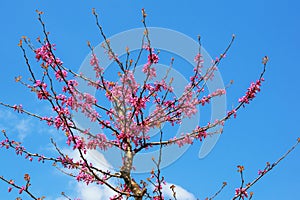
{"x":60,"y":75}
{"x":201,"y":135}
{"x":153,"y":58}
{"x":21,"y":190}
{"x":45,"y":54}
{"x":198,"y":58}
{"x":261,"y":172}
{"x":158,"y":198}
{"x":38,"y":83}
{"x":232,"y":112}
{"x":94,"y":60}
{"x":42,"y":94}
{"x":241,"y":192}
{"x":149,"y":71}
{"x":251,"y":92}
{"x":18,"y":108}
{"x":146,"y":46}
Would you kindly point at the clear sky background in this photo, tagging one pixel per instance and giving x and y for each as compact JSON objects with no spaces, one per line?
{"x":262,"y":132}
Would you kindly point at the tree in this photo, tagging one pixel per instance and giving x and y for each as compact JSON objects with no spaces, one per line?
{"x":126,"y":124}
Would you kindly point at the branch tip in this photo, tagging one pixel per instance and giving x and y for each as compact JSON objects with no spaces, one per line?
{"x":265,"y":60}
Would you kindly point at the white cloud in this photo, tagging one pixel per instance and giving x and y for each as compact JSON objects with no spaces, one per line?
{"x":102,"y":192}
{"x":60,"y":198}
{"x":92,"y":156}
{"x":93,"y":192}
{"x":181,"y":193}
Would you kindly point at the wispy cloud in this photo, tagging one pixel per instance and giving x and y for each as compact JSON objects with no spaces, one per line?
{"x":23,"y":127}
{"x":16,"y":124}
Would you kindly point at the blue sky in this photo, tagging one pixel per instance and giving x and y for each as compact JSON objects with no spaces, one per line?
{"x":262,"y":132}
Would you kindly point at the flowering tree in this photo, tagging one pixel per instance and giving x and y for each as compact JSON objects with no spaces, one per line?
{"x":125,"y":125}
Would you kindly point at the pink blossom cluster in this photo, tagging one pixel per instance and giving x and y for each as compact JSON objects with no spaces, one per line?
{"x":262,"y":172}
{"x":198,"y":58}
{"x":206,"y":99}
{"x":20,"y":150}
{"x":46,"y":55}
{"x":251,"y":91}
{"x":70,"y":100}
{"x":241,"y":192}
{"x":186,"y":138}
{"x":188,"y":103}
{"x":60,"y":75}
{"x":232,"y":112}
{"x":22,"y":189}
{"x":18,"y":108}
{"x":100,"y":141}
{"x":41,"y":89}
{"x":153,"y":58}
{"x":84,"y":176}
{"x":95,"y":63}
{"x":4,"y":143}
